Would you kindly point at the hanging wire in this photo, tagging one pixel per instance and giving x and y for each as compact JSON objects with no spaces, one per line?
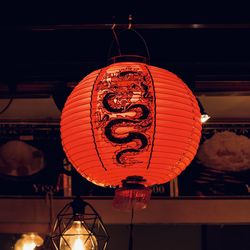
{"x":130,"y":19}
{"x":50,"y":202}
{"x":51,"y":210}
{"x":116,"y":38}
{"x":12,"y":89}
{"x":131,"y":227}
{"x":7,"y":105}
{"x":144,"y":42}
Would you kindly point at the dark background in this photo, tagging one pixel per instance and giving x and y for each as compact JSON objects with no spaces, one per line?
{"x":47,"y":47}
{"x":49,"y":41}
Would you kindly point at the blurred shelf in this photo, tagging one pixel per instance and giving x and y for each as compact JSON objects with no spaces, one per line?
{"x":23,"y":214}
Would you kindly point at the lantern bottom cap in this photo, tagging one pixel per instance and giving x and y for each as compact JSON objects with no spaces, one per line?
{"x":132,"y":195}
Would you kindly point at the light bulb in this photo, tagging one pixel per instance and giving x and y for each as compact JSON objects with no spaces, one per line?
{"x":204,"y":118}
{"x":77,"y":237}
{"x":78,"y":244}
{"x":28,"y":242}
{"x":29,"y":246}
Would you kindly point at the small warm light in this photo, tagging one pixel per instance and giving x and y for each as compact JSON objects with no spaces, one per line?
{"x":28,"y":242}
{"x":77,"y":237}
{"x":78,"y":244}
{"x":205,"y":118}
{"x":29,"y":246}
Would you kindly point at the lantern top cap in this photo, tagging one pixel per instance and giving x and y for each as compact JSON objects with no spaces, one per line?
{"x":133,"y":182}
{"x":128,"y":58}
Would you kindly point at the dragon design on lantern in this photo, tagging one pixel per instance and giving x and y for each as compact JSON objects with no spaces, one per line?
{"x":124,"y":113}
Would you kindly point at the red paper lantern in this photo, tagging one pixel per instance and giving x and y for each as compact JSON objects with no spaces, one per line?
{"x":130,"y":119}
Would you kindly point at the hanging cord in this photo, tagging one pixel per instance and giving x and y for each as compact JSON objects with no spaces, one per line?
{"x":115,"y":39}
{"x":50,"y":203}
{"x":47,"y":240}
{"x":12,"y":88}
{"x":7,"y":106}
{"x":131,"y":227}
{"x":117,"y":42}
{"x":144,"y":42}
{"x":51,"y":210}
{"x":130,"y":19}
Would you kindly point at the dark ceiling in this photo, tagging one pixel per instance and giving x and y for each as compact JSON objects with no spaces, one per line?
{"x":44,"y":45}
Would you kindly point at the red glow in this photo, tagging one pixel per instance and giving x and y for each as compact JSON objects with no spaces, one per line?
{"x":130,"y":119}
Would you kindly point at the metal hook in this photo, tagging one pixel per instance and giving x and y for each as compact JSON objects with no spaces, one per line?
{"x":130,"y":21}
{"x":114,"y":24}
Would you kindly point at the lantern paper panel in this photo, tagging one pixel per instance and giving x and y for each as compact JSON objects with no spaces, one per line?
{"x":130,"y":119}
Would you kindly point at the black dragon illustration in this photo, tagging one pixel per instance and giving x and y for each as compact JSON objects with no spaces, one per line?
{"x":141,"y":121}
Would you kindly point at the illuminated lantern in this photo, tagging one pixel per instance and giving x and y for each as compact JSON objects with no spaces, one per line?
{"x":130,"y":120}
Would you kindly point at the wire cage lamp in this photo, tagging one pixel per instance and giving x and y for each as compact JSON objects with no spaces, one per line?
{"x":78,"y":226}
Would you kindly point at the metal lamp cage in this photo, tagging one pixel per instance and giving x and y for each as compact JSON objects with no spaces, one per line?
{"x":81,"y":211}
